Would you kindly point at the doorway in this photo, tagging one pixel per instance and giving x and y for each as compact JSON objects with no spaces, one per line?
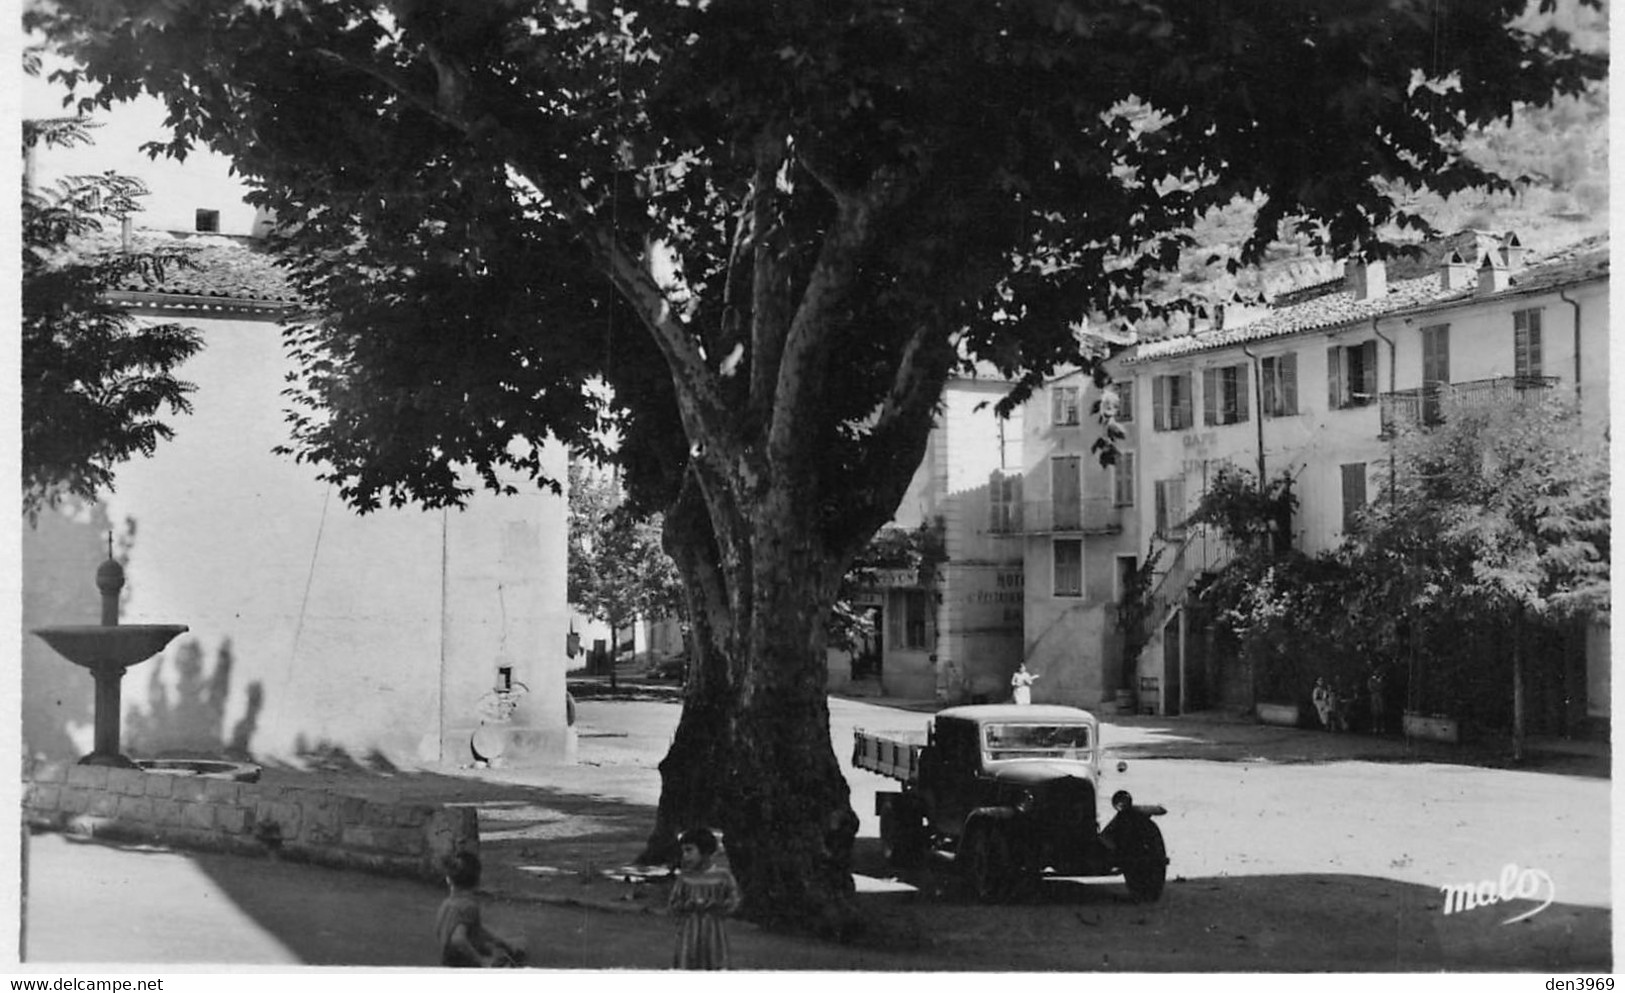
{"x":1172,"y":650}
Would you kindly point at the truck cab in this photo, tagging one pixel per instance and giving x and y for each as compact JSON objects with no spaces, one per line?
{"x":1009,"y":793}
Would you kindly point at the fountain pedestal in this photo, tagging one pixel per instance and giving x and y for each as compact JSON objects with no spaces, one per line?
{"x":107,"y":650}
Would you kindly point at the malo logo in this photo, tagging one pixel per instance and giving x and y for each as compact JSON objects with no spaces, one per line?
{"x":1515,"y":884}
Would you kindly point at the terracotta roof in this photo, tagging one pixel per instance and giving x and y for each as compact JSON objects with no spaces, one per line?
{"x":1581,"y":262}
{"x":232,"y":270}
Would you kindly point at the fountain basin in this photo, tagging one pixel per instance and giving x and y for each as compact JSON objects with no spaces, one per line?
{"x":119,"y":646}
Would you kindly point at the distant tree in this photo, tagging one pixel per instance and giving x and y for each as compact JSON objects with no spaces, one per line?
{"x":95,"y":381}
{"x":617,"y":570}
{"x":775,"y":230}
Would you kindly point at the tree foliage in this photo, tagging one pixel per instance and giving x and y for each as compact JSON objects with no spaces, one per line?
{"x":1491,"y":542}
{"x":775,"y":230}
{"x":617,"y":571}
{"x":96,"y":383}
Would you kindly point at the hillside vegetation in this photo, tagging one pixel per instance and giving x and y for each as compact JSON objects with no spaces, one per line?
{"x":1558,"y":156}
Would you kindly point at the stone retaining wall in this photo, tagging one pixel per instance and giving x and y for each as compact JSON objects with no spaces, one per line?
{"x":249,"y":818}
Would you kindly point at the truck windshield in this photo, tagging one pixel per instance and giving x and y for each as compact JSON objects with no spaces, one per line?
{"x":1035,"y":741}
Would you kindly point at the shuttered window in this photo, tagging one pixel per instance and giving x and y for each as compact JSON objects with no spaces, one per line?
{"x":1123,"y":480}
{"x":1004,"y":502}
{"x":1068,"y":567}
{"x":1280,"y":385}
{"x":1064,"y":406}
{"x":1351,"y":375}
{"x":1526,"y":343}
{"x":1354,"y":498}
{"x":1170,"y":509}
{"x":1171,"y":402}
{"x":1224,"y":395}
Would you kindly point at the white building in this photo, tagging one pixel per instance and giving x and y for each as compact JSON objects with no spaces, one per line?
{"x":1311,"y":388}
{"x":403,"y":637}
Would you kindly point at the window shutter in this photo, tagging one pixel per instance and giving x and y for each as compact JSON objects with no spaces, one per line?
{"x":1125,"y":400}
{"x":1123,"y":483}
{"x":1210,"y":396}
{"x":1368,"y":374}
{"x":1242,"y":406}
{"x":1353,"y":492}
{"x":1269,"y":384}
{"x":1161,"y":501}
{"x":1334,"y":377}
{"x":1159,"y":403}
{"x":1287,"y":368}
{"x":1534,"y":343}
{"x":1184,"y":399}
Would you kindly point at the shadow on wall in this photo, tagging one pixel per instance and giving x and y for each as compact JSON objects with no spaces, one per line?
{"x":190,"y":717}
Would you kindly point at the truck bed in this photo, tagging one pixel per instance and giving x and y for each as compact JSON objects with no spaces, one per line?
{"x":894,"y":754}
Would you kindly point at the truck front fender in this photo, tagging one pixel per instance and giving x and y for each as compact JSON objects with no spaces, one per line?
{"x":990,"y":813}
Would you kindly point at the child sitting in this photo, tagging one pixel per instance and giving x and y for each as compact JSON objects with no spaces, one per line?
{"x":464,"y":940}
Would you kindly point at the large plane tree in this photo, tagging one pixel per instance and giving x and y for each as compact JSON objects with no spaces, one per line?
{"x":775,"y":229}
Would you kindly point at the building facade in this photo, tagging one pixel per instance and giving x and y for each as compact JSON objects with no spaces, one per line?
{"x":403,"y":637}
{"x":951,"y":631}
{"x":1315,"y":388}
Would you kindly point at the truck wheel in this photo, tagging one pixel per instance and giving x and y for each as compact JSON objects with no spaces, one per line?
{"x":903,"y":839}
{"x":986,"y":864}
{"x":1144,"y":860}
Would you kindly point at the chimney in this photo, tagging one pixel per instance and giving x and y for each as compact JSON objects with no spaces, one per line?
{"x":1368,"y":278}
{"x":1455,"y":273}
{"x":1513,"y":252}
{"x":1492,"y":275}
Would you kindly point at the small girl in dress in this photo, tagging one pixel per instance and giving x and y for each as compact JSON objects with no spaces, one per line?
{"x":702,"y":896}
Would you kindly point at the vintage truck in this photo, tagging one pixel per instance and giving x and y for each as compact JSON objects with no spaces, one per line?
{"x":1009,"y":793}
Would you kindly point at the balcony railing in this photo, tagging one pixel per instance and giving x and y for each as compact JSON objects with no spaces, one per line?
{"x":1092,"y":515}
{"x":1430,"y":405}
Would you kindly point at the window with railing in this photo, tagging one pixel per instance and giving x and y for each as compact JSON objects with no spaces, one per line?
{"x":1068,"y":567}
{"x":1428,"y":405}
{"x":1171,"y":402}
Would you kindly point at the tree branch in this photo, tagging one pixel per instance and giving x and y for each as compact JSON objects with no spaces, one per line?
{"x":699,"y":400}
{"x":804,"y":364}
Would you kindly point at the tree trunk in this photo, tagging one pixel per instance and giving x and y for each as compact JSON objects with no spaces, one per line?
{"x":752,"y":756}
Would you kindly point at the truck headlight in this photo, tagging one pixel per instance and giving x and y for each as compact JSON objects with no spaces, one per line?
{"x":1026,"y":801}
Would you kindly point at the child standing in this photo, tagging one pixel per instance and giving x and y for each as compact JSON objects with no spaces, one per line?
{"x":464,"y":940}
{"x":702,"y":896}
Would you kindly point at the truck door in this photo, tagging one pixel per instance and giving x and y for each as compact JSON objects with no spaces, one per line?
{"x":954,"y":775}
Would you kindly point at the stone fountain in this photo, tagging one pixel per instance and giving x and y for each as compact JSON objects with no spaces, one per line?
{"x":107,"y":649}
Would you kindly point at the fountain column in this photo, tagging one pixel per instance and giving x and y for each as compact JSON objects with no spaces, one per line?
{"x":109,"y":678}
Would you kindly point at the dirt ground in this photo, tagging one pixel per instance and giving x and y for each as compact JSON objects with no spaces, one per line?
{"x":1290,"y":851}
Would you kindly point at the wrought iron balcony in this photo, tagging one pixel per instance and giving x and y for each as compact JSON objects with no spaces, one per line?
{"x":1091,"y":515}
{"x":1430,"y":405}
